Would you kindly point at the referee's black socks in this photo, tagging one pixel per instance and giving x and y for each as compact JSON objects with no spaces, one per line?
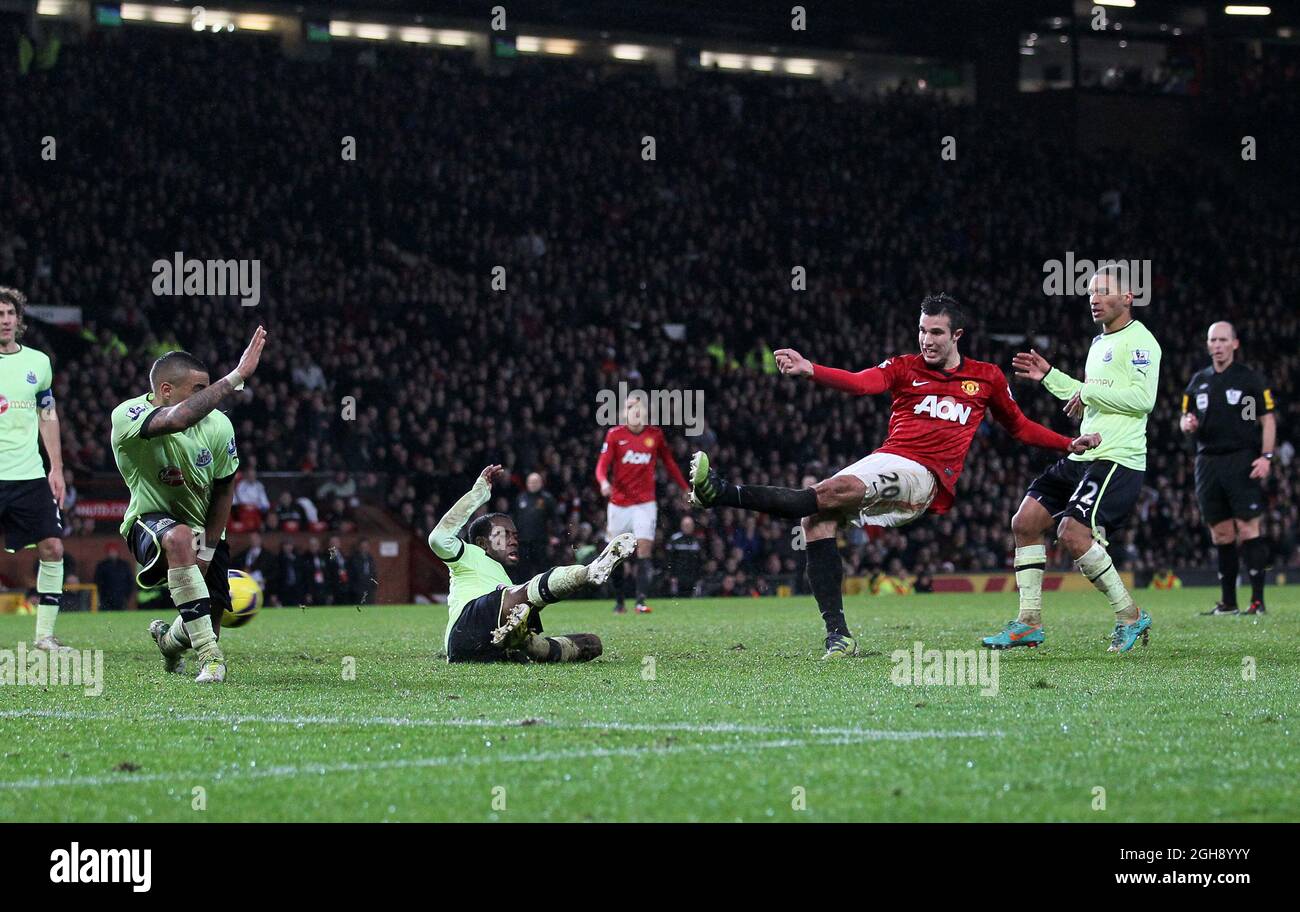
{"x":1256,"y":553}
{"x":1228,"y":568}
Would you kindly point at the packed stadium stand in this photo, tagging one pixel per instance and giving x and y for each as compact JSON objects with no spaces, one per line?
{"x":396,"y":370}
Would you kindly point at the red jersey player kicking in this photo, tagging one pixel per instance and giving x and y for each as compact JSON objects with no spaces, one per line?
{"x":626,"y":474}
{"x":939,"y":401}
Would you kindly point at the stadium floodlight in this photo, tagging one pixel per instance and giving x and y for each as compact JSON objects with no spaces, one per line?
{"x":1238,"y":10}
{"x":1126,"y":4}
{"x":762,"y":64}
{"x":371,"y":31}
{"x":731,"y":62}
{"x":563,"y":47}
{"x":415,"y":35}
{"x":453,"y":38}
{"x":254,"y":22}
{"x":798,"y":67}
{"x":172,"y":15}
{"x":528,"y":44}
{"x":54,"y":7}
{"x":628,"y":52}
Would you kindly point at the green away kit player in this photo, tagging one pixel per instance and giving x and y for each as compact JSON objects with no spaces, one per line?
{"x":488,"y":618}
{"x":177,"y":455}
{"x":1085,"y":495}
{"x":30,"y":500}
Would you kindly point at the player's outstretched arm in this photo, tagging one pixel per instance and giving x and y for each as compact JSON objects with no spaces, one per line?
{"x":1031,"y":365}
{"x":445,"y":537}
{"x":173,"y":418}
{"x":862,"y":383}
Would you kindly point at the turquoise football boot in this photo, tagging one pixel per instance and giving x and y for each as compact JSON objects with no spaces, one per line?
{"x":1015,"y":634}
{"x":1127,"y":635}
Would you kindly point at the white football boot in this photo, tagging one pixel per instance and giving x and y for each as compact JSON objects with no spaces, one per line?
{"x":51,"y":643}
{"x":212,"y":673}
{"x":618,"y":550}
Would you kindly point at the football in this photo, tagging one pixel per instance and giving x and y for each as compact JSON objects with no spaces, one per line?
{"x":245,"y":599}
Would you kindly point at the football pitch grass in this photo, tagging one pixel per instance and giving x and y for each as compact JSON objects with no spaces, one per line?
{"x":712,"y":710}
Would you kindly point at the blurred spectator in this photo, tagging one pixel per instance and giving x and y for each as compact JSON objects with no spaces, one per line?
{"x":338,"y":576}
{"x":364,"y":572}
{"x":683,"y":559}
{"x":534,"y":509}
{"x":115,"y":580}
{"x":314,"y":570}
{"x":289,"y":587}
{"x":255,"y":561}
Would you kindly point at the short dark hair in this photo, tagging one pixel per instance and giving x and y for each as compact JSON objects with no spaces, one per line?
{"x":482,"y":527}
{"x":945,"y":305}
{"x":171,"y":365}
{"x":15,"y":297}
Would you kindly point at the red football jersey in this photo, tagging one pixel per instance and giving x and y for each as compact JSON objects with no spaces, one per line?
{"x":627,"y":460}
{"x":936,"y":412}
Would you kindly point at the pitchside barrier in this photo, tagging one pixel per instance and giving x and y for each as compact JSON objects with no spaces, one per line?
{"x":76,"y":597}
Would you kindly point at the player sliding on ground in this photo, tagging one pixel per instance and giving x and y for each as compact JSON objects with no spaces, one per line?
{"x":939,"y":400}
{"x":1093,"y":493}
{"x":178,"y":458}
{"x":489,"y":619}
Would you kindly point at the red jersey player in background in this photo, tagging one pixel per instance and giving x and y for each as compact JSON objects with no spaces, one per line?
{"x":939,"y":400}
{"x":626,"y":474}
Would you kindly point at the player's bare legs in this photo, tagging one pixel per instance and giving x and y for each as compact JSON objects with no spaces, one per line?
{"x":521,"y":606}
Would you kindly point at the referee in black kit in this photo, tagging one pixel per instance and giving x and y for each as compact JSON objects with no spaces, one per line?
{"x":1228,"y":408}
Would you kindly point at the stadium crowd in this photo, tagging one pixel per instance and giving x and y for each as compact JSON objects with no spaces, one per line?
{"x":397,"y":366}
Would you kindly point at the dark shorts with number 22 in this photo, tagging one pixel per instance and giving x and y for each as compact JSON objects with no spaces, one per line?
{"x":1098,"y":493}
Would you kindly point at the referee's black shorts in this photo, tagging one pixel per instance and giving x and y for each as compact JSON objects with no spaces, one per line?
{"x":1225,"y":489}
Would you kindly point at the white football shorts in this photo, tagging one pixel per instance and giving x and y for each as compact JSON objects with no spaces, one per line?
{"x":898,"y":489}
{"x":639,"y":519}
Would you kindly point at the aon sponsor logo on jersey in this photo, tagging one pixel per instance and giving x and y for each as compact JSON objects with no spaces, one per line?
{"x":947,"y":409}
{"x":632,"y":457}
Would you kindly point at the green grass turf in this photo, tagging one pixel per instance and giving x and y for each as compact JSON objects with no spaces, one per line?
{"x":740,"y":713}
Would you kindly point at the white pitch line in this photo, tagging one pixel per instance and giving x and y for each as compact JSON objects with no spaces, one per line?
{"x":275,"y":772}
{"x":404,"y":721}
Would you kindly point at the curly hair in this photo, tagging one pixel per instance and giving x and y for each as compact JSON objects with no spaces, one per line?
{"x":15,"y":297}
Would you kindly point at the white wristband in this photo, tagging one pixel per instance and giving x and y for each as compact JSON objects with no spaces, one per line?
{"x":235,"y":379}
{"x":206,"y":554}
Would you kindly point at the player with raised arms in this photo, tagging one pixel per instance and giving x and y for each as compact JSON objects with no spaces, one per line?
{"x":31,"y":500}
{"x":489,"y":618}
{"x":1083,"y":496}
{"x":178,"y":457}
{"x":939,"y":400}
